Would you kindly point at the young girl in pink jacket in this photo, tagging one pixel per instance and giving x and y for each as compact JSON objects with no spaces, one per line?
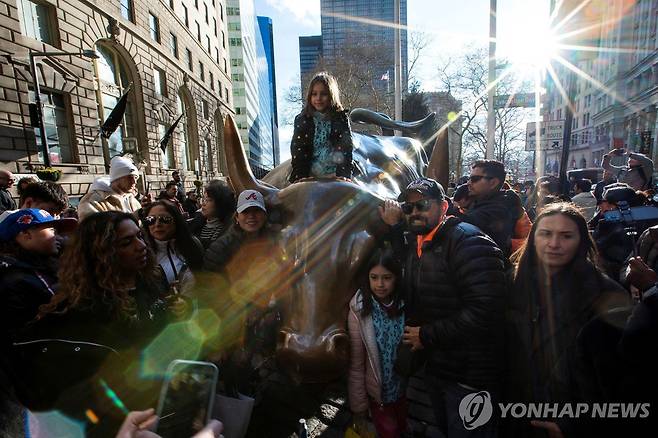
{"x":375,"y":323}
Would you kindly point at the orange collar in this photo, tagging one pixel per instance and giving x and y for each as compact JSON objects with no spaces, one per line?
{"x":426,"y":238}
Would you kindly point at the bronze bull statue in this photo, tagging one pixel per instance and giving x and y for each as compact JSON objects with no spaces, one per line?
{"x":328,"y":228}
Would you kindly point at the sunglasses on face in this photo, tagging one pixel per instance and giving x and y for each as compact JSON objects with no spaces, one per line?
{"x":422,"y":205}
{"x":152,"y":220}
{"x":476,"y":178}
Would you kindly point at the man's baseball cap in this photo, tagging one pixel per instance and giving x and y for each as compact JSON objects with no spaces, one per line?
{"x":250,"y":198}
{"x":427,"y":187}
{"x":13,"y":222}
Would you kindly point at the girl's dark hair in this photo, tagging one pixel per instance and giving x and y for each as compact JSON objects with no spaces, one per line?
{"x":332,"y":88}
{"x":528,"y":271}
{"x":186,"y":244}
{"x":385,"y":258}
{"x":224,"y":199}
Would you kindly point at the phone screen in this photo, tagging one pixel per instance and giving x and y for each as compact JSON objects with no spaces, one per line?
{"x":186,"y":398}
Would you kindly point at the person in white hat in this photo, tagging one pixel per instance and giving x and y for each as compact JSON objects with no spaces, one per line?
{"x":116,"y":193}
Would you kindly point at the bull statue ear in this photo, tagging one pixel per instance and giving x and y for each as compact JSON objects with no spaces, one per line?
{"x":240,"y":175}
{"x":439,"y":166}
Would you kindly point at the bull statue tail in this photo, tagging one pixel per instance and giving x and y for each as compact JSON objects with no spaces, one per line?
{"x":366,"y":116}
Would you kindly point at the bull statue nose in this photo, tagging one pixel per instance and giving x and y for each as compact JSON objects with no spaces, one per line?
{"x":311,"y":359}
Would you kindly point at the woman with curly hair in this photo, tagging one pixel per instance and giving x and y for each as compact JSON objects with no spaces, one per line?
{"x":110,"y":305}
{"x":177,"y":251}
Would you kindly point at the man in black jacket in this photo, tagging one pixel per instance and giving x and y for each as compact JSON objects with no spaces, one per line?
{"x":493,"y":210}
{"x":455,"y":283}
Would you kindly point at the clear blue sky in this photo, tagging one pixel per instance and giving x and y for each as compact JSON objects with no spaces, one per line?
{"x":453,"y":24}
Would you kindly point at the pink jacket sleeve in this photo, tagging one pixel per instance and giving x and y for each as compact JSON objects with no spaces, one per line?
{"x":356,"y":386}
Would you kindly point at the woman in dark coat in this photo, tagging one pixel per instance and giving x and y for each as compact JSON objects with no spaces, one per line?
{"x":557,"y":290}
{"x":214,"y":219}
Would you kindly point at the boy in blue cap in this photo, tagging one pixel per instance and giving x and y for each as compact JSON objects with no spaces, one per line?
{"x":28,"y":275}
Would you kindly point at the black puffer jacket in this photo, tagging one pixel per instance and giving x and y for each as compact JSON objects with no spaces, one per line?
{"x":301,"y":146}
{"x":457,"y":295}
{"x":25,"y":284}
{"x":496,"y":216}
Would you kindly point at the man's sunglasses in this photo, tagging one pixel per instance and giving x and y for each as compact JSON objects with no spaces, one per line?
{"x":422,"y":205}
{"x":152,"y":220}
{"x":476,"y":178}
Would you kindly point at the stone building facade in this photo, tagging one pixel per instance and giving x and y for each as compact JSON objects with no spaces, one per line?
{"x":173,"y":57}
{"x":616,"y":93}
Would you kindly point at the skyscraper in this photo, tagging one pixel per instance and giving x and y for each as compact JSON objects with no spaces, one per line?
{"x":356,"y":22}
{"x":249,"y":73}
{"x":267,"y":35}
{"x":310,"y":50}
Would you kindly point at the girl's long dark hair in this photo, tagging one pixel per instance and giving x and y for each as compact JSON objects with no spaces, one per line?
{"x":186,"y":245}
{"x":385,"y":258}
{"x":332,"y":88}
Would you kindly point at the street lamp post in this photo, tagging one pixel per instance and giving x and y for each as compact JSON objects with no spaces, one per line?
{"x":91,"y":54}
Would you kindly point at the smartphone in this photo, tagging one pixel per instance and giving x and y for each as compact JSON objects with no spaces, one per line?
{"x":186,"y":398}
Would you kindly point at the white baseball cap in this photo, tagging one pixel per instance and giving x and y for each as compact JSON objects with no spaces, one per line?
{"x":250,"y":198}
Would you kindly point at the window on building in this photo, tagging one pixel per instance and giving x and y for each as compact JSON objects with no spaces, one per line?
{"x":233,"y":26}
{"x":227,"y":95}
{"x":225,"y":66}
{"x":235,"y":42}
{"x":183,"y":139}
{"x":173,"y":45}
{"x":209,"y":163}
{"x":154,"y":27}
{"x":188,"y":57}
{"x":56,"y":121}
{"x":168,"y":154}
{"x":159,"y":82}
{"x":223,"y":39}
{"x":212,"y":80}
{"x":186,"y":16}
{"x":113,"y":78}
{"x":237,"y":77}
{"x":214,"y":25}
{"x":208,"y":43}
{"x":126,"y":7}
{"x":217,"y":55}
{"x":236,"y":62}
{"x":171,"y":4}
{"x":206,"y":108}
{"x":221,"y":12}
{"x":202,"y":73}
{"x":205,"y":7}
{"x":198,"y":31}
{"x":196,"y":4}
{"x":233,"y":11}
{"x":37,"y":21}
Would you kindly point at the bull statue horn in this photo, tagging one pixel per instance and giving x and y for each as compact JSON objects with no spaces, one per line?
{"x":239,"y":172}
{"x":438,"y":167}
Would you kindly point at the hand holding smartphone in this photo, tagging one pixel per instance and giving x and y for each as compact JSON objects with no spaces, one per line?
{"x":186,"y":399}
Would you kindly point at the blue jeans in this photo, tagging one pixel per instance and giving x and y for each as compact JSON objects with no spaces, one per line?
{"x":446,"y":397}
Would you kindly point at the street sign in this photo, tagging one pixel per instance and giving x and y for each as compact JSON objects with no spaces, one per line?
{"x":551,"y":134}
{"x":518,"y":100}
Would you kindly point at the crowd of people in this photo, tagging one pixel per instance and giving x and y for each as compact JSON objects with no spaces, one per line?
{"x":527,"y":291}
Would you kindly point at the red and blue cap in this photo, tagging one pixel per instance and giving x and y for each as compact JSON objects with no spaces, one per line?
{"x":13,"y":222}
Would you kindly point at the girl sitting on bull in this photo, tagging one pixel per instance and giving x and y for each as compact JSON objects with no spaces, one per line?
{"x":322,"y":141}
